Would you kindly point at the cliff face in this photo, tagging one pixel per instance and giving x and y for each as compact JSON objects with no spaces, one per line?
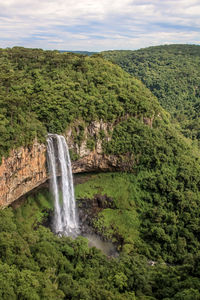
{"x":22,"y":171}
{"x":26,"y":168}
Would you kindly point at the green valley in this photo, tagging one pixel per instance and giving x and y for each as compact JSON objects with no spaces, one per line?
{"x":148,"y":208}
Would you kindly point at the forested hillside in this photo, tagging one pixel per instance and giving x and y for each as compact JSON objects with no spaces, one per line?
{"x":172,"y":73}
{"x":44,"y":91}
{"x":153,"y":215}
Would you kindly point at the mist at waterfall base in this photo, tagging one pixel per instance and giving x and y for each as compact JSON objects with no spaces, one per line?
{"x":65,"y":219}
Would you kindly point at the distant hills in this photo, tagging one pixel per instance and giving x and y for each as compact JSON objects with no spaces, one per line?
{"x":79,"y":52}
{"x":172,"y":73}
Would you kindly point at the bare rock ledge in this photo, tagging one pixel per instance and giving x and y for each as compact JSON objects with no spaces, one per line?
{"x":26,"y":169}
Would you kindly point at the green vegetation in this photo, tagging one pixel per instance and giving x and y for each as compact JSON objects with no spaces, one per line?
{"x":172,"y":73}
{"x":34,"y":210}
{"x":44,"y":91}
{"x":120,"y":223}
{"x":36,"y":264}
{"x":155,"y":215}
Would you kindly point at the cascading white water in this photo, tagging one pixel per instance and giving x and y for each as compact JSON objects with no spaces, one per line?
{"x":65,"y":217}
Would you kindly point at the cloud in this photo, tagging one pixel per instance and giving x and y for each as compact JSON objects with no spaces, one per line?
{"x":98,"y":24}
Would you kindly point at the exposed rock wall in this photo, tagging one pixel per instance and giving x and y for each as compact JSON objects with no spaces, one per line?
{"x":26,"y":168}
{"x":94,"y":162}
{"x":22,"y":171}
{"x":92,"y":131}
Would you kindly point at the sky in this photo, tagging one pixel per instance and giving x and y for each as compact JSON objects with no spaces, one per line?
{"x":97,"y":25}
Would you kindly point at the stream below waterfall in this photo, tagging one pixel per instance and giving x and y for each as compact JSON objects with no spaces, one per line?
{"x":108,"y":248}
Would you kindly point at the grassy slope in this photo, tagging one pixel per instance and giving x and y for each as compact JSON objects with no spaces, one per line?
{"x":33,"y":210}
{"x":121,"y":221}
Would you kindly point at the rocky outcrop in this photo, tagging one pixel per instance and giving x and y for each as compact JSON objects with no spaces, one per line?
{"x":93,"y":131}
{"x":94,"y":162}
{"x":26,"y":168}
{"x":21,"y":172}
{"x":89,"y":209}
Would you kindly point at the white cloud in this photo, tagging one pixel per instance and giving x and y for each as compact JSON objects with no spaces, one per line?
{"x":98,"y":24}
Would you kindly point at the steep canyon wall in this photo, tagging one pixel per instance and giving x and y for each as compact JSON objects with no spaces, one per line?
{"x":26,"y":167}
{"x":22,"y":171}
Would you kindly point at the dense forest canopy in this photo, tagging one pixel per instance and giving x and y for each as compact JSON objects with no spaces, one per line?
{"x":172,"y":73}
{"x":36,"y":264}
{"x":155,"y":206}
{"x":44,"y":91}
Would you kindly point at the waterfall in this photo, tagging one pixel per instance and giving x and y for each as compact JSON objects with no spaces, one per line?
{"x":65,"y":220}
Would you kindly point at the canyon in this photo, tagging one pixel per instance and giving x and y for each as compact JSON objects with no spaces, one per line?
{"x":26,"y":167}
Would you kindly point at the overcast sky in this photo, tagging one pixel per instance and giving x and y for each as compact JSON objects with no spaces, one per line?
{"x":97,"y":25}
